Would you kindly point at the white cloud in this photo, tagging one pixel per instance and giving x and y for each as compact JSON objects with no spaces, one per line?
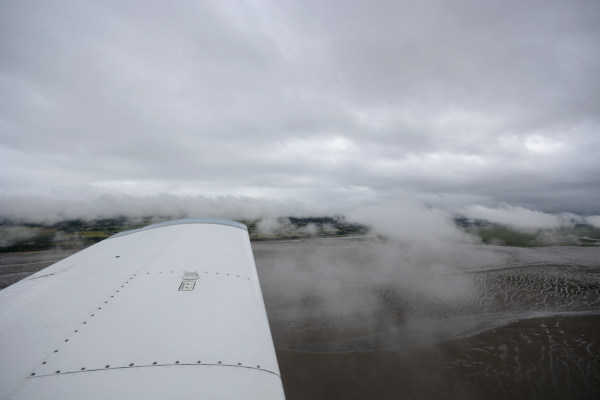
{"x":593,"y":220}
{"x":541,"y":144}
{"x":409,"y":221}
{"x":517,"y":217}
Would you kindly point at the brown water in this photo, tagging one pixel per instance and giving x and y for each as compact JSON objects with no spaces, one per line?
{"x":17,"y":266}
{"x":549,"y":358}
{"x":490,"y":322}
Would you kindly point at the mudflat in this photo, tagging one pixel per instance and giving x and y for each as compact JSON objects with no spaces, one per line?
{"x":358,"y":319}
{"x":550,"y":358}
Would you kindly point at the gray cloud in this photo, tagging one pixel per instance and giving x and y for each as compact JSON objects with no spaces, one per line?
{"x":65,"y":205}
{"x":520,"y":217}
{"x":331,"y":104}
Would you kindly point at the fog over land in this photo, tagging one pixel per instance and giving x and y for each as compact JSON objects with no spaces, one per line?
{"x":406,"y":208}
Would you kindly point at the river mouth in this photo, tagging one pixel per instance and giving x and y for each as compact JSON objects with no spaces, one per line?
{"x":514,"y":323}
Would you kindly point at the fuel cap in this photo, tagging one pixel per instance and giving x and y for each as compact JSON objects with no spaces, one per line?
{"x":190,"y":276}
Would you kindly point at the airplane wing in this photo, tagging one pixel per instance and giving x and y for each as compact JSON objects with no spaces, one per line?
{"x":169,"y":311}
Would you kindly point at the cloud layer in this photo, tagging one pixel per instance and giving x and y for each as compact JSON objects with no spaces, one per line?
{"x":332,"y":104}
{"x":526,"y":219}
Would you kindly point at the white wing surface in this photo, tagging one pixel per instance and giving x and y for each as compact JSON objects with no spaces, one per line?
{"x":173,"y":310}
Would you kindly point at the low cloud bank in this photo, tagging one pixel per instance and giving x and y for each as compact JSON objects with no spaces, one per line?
{"x":405,"y":219}
{"x":418,"y":242}
{"x":594,"y":221}
{"x":527,"y":219}
{"x":408,"y":220}
{"x":274,"y":226}
{"x":59,"y":208}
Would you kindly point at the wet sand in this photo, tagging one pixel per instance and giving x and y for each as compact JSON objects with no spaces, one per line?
{"x":550,"y":358}
{"x":358,"y":319}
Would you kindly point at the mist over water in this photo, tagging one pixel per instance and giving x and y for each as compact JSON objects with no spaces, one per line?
{"x":420,"y":296}
{"x":333,"y":303}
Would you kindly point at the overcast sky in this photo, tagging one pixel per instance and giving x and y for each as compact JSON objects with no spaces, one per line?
{"x":325,"y":105}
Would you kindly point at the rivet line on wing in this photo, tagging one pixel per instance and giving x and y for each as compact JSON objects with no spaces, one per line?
{"x":91,"y":315}
{"x":119,"y":291}
{"x":154,"y":364}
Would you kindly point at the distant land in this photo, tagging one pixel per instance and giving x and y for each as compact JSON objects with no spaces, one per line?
{"x":74,"y":234}
{"x":577,"y":234}
{"x":18,"y":236}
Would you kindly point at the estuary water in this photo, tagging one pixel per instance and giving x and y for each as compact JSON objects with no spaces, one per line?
{"x":362,"y":318}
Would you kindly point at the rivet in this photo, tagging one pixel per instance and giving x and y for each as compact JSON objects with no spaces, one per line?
{"x":154,"y":363}
{"x":176,"y":362}
{"x":58,"y":372}
{"x":117,"y":256}
{"x":99,"y":308}
{"x":76,"y":330}
{"x":258,"y":366}
{"x":84,"y":322}
{"x":106,"y":302}
{"x":108,"y":366}
{"x":118,"y":291}
{"x":83,"y":368}
{"x":131,"y":365}
{"x":33,"y":374}
{"x":112,"y":296}
{"x":147,"y":273}
{"x":66,"y":340}
{"x":239,"y":363}
{"x":92,"y":315}
{"x":199,"y":362}
{"x":219,"y":362}
{"x":56,"y":351}
{"x":44,"y":362}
